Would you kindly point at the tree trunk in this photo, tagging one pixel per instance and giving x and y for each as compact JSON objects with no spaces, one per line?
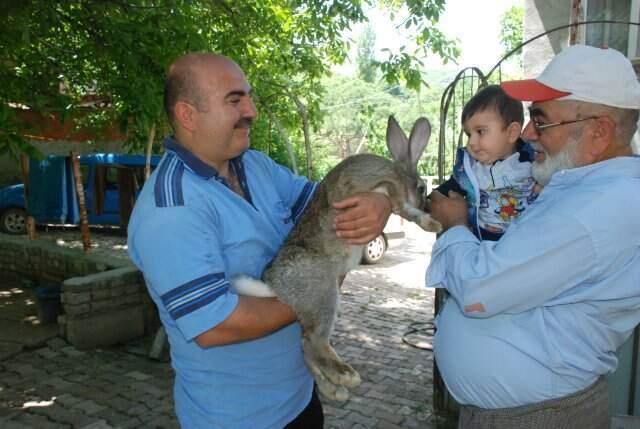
{"x":285,"y":138}
{"x":30,"y":222}
{"x":150,"y":139}
{"x":84,"y":222}
{"x":305,"y":130}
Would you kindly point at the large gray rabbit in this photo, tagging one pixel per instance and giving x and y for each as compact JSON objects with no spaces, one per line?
{"x":306,"y":273}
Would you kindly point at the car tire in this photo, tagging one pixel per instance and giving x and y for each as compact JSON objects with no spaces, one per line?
{"x":13,"y":221}
{"x":374,"y":251}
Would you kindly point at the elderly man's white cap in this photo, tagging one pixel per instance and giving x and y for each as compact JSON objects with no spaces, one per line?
{"x":582,"y":73}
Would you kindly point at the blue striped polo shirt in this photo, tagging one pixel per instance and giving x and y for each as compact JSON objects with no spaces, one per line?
{"x":189,"y":234}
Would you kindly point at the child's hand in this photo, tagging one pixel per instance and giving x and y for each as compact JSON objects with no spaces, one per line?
{"x":537,"y":188}
{"x":449,"y":211}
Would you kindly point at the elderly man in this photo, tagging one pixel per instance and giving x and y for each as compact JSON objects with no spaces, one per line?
{"x":214,"y":209}
{"x":533,"y":320}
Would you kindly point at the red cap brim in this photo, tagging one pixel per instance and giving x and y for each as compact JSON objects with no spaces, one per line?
{"x":531,"y":90}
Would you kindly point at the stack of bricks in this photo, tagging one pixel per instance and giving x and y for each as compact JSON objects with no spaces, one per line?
{"x":103,"y":308}
{"x":104,"y":301}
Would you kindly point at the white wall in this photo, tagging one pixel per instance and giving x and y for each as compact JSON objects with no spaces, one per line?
{"x":541,"y":16}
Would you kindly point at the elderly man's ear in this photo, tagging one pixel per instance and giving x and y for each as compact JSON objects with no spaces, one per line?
{"x":600,"y":140}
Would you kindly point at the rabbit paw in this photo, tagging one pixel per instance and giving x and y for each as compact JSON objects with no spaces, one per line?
{"x":331,"y":391}
{"x":423,"y":219}
{"x":350,"y":379}
{"x":344,"y":375}
{"x":428,"y":224}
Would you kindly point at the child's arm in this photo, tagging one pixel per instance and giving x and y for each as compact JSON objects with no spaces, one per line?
{"x":451,"y":185}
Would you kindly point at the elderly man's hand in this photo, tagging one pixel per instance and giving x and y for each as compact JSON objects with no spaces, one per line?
{"x":363,"y":218}
{"x":449,"y":211}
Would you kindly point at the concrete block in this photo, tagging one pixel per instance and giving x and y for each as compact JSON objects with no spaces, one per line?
{"x":100,"y":294}
{"x":102,"y":305}
{"x":106,"y":328}
{"x":117,"y":290}
{"x":76,"y":298}
{"x":132,"y":288}
{"x":76,"y":310}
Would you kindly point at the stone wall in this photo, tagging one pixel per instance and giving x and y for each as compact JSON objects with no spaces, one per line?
{"x":104,"y":300}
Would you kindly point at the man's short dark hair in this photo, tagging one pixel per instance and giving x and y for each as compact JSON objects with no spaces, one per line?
{"x":182,"y":85}
{"x":493,"y":97}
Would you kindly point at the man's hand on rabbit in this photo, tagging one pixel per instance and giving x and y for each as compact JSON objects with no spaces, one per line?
{"x":449,"y":211}
{"x":363,"y":218}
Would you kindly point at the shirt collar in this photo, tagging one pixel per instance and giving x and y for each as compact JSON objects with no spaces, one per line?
{"x":198,"y":166}
{"x":206,"y":171}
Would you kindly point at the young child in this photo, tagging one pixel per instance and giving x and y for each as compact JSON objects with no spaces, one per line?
{"x":494,"y":170}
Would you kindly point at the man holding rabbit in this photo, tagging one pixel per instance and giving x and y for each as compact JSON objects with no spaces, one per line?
{"x":214,"y":209}
{"x":533,"y":321}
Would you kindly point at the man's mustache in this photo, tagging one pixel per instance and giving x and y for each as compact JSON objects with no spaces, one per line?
{"x":244,"y":123}
{"x":538,"y":147}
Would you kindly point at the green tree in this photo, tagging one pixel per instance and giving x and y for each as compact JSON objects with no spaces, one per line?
{"x":59,"y":54}
{"x":356,"y":113}
{"x":512,"y":31}
{"x":365,"y":58}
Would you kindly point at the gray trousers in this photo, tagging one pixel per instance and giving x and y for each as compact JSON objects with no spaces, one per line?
{"x":586,"y":409}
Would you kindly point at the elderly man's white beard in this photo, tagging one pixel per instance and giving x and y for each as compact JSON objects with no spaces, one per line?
{"x":564,"y":160}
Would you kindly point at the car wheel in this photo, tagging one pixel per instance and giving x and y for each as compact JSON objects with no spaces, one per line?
{"x":13,"y":221}
{"x":374,"y":250}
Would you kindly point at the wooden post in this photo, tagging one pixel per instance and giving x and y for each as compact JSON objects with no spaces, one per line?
{"x":84,"y":222}
{"x":30,"y":222}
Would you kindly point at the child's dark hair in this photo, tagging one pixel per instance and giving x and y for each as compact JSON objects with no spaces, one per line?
{"x":493,"y":97}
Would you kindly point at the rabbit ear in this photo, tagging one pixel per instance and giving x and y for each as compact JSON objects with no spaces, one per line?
{"x":397,"y":141}
{"x":418,"y":139}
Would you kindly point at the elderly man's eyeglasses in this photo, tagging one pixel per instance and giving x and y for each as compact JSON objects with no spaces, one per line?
{"x":540,"y":127}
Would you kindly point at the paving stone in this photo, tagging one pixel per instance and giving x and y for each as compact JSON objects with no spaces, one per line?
{"x":164,"y":422}
{"x":119,"y":403}
{"x":72,"y":352}
{"x":131,"y":423}
{"x":112,"y":416}
{"x":89,"y":407}
{"x":67,"y":399}
{"x":101,"y":424}
{"x":8,"y":349}
{"x":15,"y":425}
{"x":137,"y":375}
{"x":56,"y":343}
{"x":138,"y":410}
{"x":65,"y":416}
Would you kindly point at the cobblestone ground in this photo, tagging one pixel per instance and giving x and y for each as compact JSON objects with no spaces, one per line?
{"x":54,"y":385}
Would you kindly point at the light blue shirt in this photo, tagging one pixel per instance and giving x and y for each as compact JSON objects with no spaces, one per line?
{"x":550,"y":302}
{"x":190,"y":234}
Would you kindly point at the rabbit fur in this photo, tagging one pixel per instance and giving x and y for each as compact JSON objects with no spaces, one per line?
{"x":307,"y":271}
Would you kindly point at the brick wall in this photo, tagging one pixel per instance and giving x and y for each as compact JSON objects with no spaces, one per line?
{"x":105,"y":301}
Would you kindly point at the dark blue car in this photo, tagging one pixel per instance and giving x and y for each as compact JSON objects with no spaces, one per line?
{"x":111,"y":183}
